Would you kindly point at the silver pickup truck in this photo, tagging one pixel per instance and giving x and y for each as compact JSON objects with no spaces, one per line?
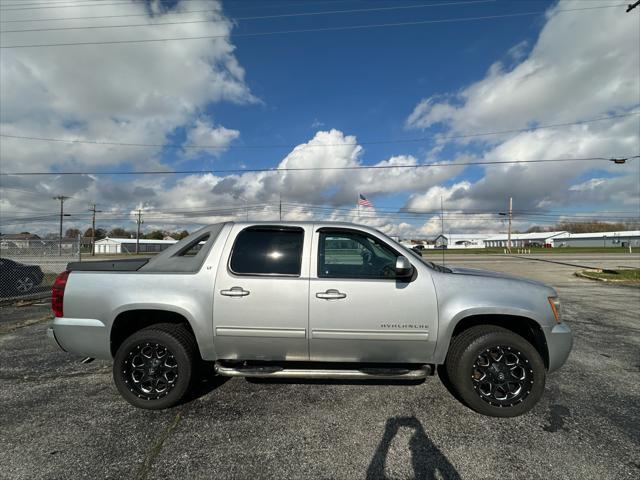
{"x":315,"y":300}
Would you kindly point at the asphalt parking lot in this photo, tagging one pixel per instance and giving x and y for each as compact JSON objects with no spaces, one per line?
{"x":64,"y":419}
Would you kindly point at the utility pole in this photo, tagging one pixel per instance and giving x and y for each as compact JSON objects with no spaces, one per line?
{"x":62,"y":198}
{"x":510,"y":217}
{"x":139,"y":222}
{"x":93,"y":229}
{"x":280,"y":209}
{"x":442,"y":227}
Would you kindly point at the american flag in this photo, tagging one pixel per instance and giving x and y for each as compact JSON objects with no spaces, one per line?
{"x":362,"y":200}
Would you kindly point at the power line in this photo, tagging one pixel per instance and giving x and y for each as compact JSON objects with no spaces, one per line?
{"x":273,"y":209}
{"x":292,"y":145}
{"x":132,"y":4}
{"x":184,"y":12}
{"x":261,"y":17}
{"x":379,"y":210}
{"x":306,"y":169}
{"x":79,"y":3}
{"x":305,"y":30}
{"x":100,"y":17}
{"x":102,"y":3}
{"x":239,"y":212}
{"x":520,"y":213}
{"x":633,"y":5}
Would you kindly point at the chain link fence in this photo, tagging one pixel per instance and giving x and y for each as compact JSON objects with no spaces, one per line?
{"x":29,"y":266}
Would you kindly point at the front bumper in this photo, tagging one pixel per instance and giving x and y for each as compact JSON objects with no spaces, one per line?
{"x":81,"y":336}
{"x":559,"y":343}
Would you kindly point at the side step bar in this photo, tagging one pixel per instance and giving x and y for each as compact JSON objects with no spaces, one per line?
{"x":269,"y":371}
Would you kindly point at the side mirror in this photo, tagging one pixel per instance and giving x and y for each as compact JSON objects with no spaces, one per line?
{"x":404,"y":268}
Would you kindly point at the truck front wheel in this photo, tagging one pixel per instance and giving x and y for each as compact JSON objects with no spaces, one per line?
{"x":154,"y":367}
{"x":495,"y":371}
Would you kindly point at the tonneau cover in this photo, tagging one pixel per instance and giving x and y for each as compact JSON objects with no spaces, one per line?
{"x":126,"y":265}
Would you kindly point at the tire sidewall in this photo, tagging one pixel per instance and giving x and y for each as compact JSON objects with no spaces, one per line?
{"x":461,"y":377}
{"x":185,"y":369}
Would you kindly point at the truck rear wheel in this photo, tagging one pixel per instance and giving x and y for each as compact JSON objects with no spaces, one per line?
{"x":154,"y":367}
{"x":495,"y":371}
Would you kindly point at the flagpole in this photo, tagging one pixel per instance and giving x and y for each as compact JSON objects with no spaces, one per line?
{"x":358,"y":204}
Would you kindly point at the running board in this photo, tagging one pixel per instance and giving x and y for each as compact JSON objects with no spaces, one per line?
{"x":274,"y":371}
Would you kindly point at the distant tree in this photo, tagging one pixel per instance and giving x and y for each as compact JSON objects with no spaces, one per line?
{"x":72,"y":233}
{"x":155,"y":235}
{"x":591,"y":226}
{"x":536,"y":229}
{"x":119,"y":232}
{"x":100,"y":233}
{"x":179,"y":235}
{"x":25,"y":233}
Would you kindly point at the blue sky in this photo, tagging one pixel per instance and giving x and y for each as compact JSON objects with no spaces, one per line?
{"x":324,"y":95}
{"x":362,"y":82}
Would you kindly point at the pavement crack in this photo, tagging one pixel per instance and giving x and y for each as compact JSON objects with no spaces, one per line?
{"x":154,"y":451}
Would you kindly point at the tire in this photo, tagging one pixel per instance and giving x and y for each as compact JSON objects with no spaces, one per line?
{"x":154,"y":367}
{"x":495,"y":371}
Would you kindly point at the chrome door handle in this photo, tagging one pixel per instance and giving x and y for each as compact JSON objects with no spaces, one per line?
{"x":235,"y":292}
{"x":331,"y":294}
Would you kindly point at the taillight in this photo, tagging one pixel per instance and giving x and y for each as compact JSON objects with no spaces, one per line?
{"x":57,"y":293}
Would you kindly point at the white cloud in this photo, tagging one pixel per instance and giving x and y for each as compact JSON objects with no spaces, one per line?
{"x":582,"y":66}
{"x":338,"y":186}
{"x":130,"y":93}
{"x":208,"y":192}
{"x":204,"y":133}
{"x":588,"y":185}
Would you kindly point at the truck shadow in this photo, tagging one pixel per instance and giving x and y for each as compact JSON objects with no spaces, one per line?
{"x":206,"y":382}
{"x":427,"y":460}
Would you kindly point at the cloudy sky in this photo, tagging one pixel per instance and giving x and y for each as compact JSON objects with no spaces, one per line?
{"x":291,"y":85}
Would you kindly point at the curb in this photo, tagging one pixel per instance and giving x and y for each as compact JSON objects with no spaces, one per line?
{"x":584,"y":274}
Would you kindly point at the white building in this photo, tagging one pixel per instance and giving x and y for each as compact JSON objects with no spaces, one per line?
{"x":461,"y":240}
{"x":534,"y":239}
{"x":128,"y":245}
{"x":622,"y":239}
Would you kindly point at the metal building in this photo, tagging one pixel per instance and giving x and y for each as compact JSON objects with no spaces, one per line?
{"x":128,"y":245}
{"x":535,"y":239}
{"x":623,"y":239}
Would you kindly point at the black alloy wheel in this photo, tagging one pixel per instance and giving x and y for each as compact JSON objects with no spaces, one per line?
{"x":154,"y":367}
{"x":502,"y":376}
{"x":150,"y":370}
{"x":495,"y":371}
{"x":24,"y":284}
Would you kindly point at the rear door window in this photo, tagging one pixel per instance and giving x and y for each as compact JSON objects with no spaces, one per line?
{"x":267,"y":251}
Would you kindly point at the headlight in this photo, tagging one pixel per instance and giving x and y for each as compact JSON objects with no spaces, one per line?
{"x":555,"y":308}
